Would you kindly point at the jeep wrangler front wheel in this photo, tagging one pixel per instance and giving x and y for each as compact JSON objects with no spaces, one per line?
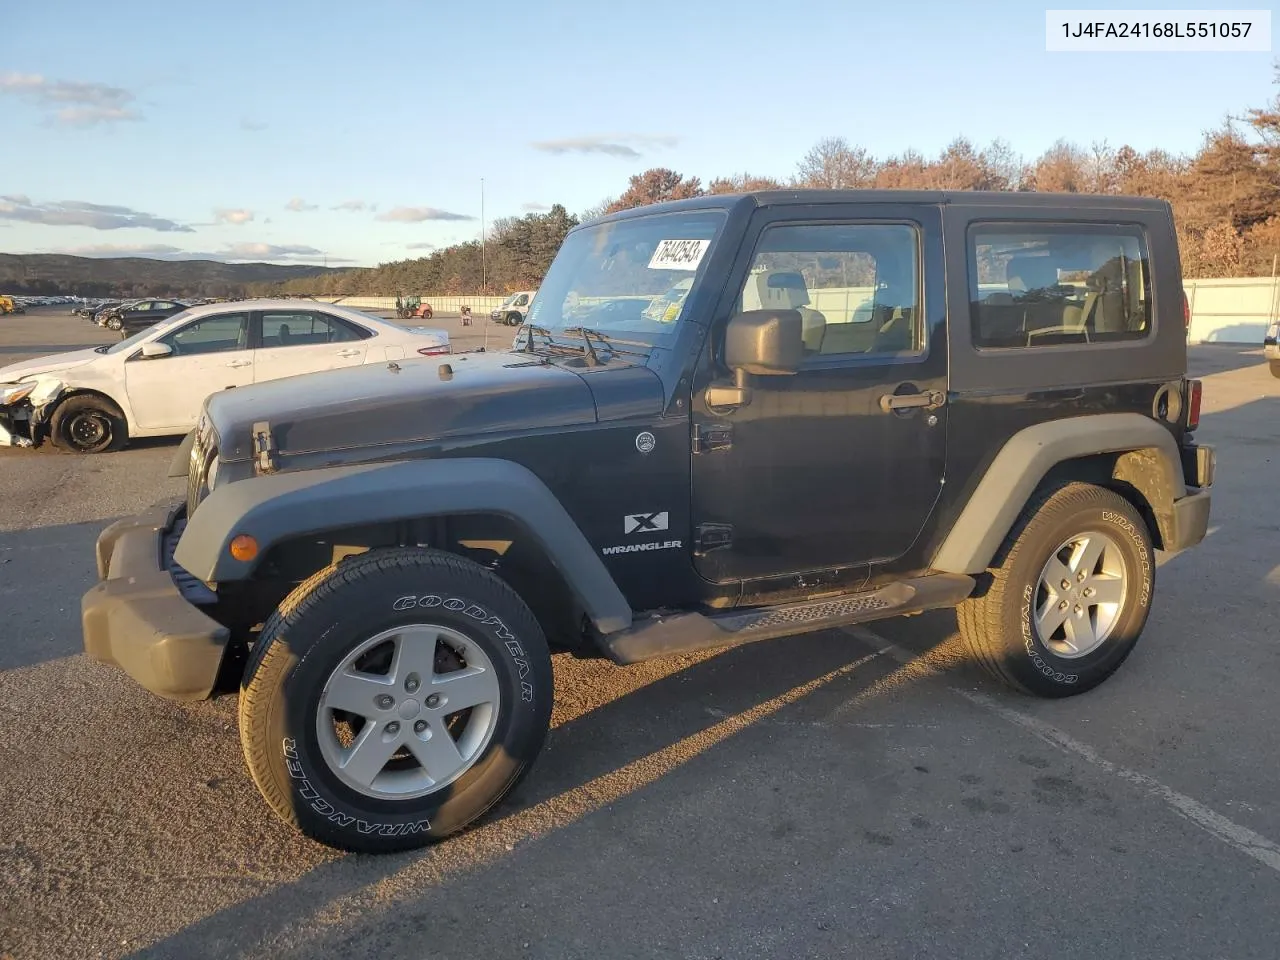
{"x":393,"y":699}
{"x":1067,"y":595}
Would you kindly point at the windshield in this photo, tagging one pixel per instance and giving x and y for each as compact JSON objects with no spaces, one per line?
{"x":144,"y":334}
{"x":631,"y":276}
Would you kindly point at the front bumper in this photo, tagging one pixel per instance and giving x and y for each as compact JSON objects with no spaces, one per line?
{"x":15,"y":425}
{"x":137,"y":618}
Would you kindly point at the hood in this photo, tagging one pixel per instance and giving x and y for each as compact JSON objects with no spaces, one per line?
{"x":418,"y":400}
{"x":51,"y":364}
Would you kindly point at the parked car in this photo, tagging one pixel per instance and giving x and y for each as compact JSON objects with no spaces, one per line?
{"x":1271,"y":348}
{"x":153,"y":383}
{"x":140,"y":314}
{"x":1010,"y":430}
{"x":98,"y":314}
{"x":514,"y":309}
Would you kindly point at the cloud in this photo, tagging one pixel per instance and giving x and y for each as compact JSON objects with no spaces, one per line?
{"x":272,"y":251}
{"x":72,"y":103}
{"x":418,"y":214}
{"x":253,"y":126}
{"x":298,"y":205}
{"x":420,"y":246}
{"x":75,"y":213}
{"x":354,"y":206}
{"x":534,"y":207}
{"x":223,"y":215}
{"x":625,"y":145}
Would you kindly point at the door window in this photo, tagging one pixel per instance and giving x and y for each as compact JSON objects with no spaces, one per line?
{"x":286,"y":329}
{"x":141,"y":307}
{"x":855,"y":286}
{"x":217,"y":334}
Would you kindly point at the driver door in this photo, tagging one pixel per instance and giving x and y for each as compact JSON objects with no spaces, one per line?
{"x":820,"y":470}
{"x":209,"y":354}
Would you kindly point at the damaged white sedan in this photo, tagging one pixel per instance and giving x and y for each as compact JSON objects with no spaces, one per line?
{"x":154,"y":383}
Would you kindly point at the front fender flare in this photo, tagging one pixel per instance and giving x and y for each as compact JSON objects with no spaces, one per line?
{"x":282,"y":506}
{"x":1150,"y":461}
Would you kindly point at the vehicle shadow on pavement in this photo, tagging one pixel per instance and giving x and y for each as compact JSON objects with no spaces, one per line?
{"x":1206,"y":359}
{"x":43,"y":573}
{"x":599,"y":754}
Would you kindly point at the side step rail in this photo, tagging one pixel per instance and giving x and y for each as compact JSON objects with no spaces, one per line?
{"x":683,"y":633}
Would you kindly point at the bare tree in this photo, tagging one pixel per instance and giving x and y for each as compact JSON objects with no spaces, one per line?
{"x":742,"y":183}
{"x":831,"y":164}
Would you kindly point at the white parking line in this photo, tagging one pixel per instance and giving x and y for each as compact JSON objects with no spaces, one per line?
{"x":1228,"y":831}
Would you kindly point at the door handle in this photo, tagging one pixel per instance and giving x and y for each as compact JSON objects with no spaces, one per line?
{"x":239,"y":363}
{"x":904,"y":401}
{"x":348,"y":353}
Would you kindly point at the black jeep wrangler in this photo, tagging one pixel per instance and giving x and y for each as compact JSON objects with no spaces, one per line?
{"x":724,"y":420}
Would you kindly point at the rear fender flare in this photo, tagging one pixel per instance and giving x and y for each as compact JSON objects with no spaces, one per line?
{"x":283,"y":506}
{"x":1148,"y":460}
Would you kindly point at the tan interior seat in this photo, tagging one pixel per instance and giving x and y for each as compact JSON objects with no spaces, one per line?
{"x":786,"y":290}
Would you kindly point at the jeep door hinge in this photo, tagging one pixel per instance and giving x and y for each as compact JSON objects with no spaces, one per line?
{"x":264,"y":448}
{"x":712,"y":436}
{"x":712,"y":536}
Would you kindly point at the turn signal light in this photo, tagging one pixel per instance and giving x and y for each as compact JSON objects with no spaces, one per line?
{"x":244,"y":548}
{"x":433,"y":351}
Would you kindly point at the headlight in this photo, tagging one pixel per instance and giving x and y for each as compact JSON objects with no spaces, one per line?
{"x":13,"y":394}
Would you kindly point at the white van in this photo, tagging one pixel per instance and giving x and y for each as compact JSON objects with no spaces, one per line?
{"x":514,"y":309}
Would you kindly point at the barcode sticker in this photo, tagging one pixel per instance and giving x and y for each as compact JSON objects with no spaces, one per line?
{"x":679,"y":254}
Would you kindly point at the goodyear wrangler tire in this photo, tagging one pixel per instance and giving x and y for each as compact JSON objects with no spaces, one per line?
{"x":393,"y":699}
{"x":1066,"y":597}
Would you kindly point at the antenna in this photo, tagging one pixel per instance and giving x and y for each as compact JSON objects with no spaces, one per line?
{"x":484,"y":278}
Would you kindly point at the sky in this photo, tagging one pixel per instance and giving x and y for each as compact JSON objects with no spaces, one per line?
{"x":359,"y":133}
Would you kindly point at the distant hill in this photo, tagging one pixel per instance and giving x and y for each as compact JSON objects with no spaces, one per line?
{"x":53,"y":273}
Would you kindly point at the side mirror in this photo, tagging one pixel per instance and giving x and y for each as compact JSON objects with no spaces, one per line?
{"x":760,"y":342}
{"x":155,"y":350}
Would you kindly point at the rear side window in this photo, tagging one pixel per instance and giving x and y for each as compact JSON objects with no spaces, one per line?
{"x":1038,"y":284}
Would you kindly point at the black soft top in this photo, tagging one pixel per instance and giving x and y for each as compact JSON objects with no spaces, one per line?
{"x":966,"y":198}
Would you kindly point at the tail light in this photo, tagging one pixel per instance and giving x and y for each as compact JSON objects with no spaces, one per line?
{"x":435,"y":351}
{"x":1186,"y":310}
{"x":1193,"y":409}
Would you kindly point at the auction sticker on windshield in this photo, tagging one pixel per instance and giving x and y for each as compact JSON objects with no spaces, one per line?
{"x":679,"y":254}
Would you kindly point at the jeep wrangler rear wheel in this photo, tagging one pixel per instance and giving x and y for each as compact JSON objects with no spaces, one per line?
{"x":393,"y":699}
{"x":1068,"y":593}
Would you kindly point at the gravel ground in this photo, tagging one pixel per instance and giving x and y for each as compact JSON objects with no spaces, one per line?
{"x":856,"y":793}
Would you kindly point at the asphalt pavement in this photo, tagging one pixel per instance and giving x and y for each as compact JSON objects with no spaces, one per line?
{"x":863,"y":793}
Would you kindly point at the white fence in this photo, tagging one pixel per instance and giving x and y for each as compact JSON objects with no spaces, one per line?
{"x":1232,"y":310}
{"x":438,"y":304}
{"x":1224,"y":310}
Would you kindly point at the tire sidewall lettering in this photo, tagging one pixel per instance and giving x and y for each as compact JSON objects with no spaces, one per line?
{"x":1032,"y":645}
{"x":478,"y":613}
{"x":1145,"y":562}
{"x":326,"y":809}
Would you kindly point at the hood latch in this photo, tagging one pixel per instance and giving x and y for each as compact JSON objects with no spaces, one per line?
{"x":264,"y":448}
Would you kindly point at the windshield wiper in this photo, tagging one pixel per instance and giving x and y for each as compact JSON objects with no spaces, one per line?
{"x":550,"y":346}
{"x":611,"y":344}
